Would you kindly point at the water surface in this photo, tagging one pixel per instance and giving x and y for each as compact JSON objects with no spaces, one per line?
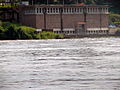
{"x":73,"y":64}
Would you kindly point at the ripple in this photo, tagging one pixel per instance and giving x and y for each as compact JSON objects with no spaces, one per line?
{"x":67,"y":64}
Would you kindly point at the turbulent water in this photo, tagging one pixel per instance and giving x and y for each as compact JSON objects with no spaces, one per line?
{"x":73,"y":64}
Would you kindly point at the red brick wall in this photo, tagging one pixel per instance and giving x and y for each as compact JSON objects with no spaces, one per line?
{"x":69,"y":20}
{"x":53,"y":20}
{"x":40,"y":21}
{"x":28,"y":20}
{"x":93,"y":21}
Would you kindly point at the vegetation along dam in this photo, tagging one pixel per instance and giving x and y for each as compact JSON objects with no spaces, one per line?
{"x":67,"y":64}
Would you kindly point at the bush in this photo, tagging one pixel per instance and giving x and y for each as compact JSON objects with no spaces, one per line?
{"x":2,"y":32}
{"x":118,"y":32}
{"x":8,"y":24}
{"x":50,"y":35}
{"x":26,"y":32}
{"x":15,"y":31}
{"x":1,"y":29}
{"x":12,"y":31}
{"x":114,"y":18}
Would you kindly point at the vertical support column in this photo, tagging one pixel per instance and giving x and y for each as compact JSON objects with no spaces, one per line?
{"x":18,"y":17}
{"x":100,"y":11}
{"x":44,"y":12}
{"x":12,"y":18}
{"x":61,"y":18}
{"x":85,"y":18}
{"x":85,"y":13}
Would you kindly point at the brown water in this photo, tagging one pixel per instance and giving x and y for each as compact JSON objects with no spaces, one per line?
{"x":73,"y":64}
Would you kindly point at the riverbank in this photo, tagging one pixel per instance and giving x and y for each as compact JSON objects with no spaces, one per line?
{"x":13,"y":31}
{"x":94,"y":36}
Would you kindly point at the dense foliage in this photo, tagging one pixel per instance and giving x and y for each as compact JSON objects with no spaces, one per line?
{"x":115,"y":18}
{"x":49,"y":35}
{"x":11,"y":31}
{"x":118,"y":32}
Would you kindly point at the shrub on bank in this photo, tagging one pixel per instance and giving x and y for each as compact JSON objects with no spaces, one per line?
{"x":1,"y":32}
{"x":26,"y":32}
{"x":118,"y":32}
{"x":114,"y":18}
{"x":8,"y":24}
{"x":50,"y":35}
{"x":12,"y":31}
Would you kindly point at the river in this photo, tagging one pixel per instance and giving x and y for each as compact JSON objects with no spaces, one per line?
{"x":65,"y":64}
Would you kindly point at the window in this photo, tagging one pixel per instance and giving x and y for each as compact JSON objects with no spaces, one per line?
{"x":95,"y":9}
{"x":77,"y":10}
{"x":106,"y":9}
{"x":40,"y":10}
{"x":47,"y":10}
{"x":51,"y":10}
{"x":64,"y":10}
{"x":80,"y":10}
{"x":54,"y":10}
{"x":88,"y":9}
{"x":72,"y":10}
{"x":67,"y":10}
{"x":37,"y":10}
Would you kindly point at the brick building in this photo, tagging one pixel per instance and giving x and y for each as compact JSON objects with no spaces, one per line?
{"x":67,"y":19}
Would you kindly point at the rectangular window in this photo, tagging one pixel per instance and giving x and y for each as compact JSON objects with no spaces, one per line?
{"x":77,"y":10}
{"x":80,"y":10}
{"x":51,"y":10}
{"x":37,"y":10}
{"x":48,"y":10}
{"x":67,"y":10}
{"x":64,"y":10}
{"x":88,"y":10}
{"x":70,"y":10}
{"x":73,"y":10}
{"x":56,"y":10}
{"x":40,"y":10}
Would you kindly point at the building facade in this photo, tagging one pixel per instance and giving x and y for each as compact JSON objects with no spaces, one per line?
{"x":67,"y":19}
